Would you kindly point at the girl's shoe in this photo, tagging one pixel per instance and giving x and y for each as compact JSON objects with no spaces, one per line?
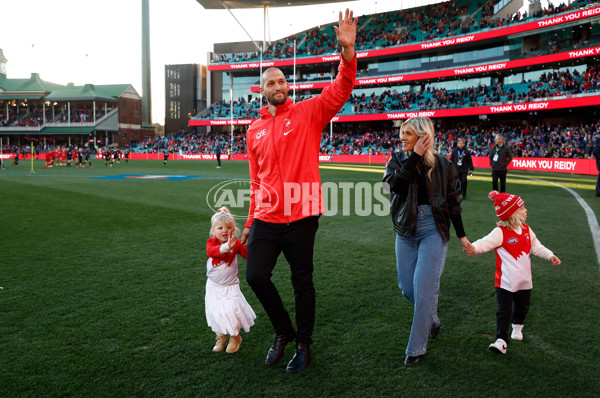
{"x":517,"y":332}
{"x":499,"y":346}
{"x":221,"y":342}
{"x":234,"y":344}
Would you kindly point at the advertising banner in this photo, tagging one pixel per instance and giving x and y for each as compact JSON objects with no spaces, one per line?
{"x":589,"y":100}
{"x":573,"y":166}
{"x":556,"y":165}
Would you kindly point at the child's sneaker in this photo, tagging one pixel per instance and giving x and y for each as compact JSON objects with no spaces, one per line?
{"x":517,"y":332}
{"x":499,"y":346}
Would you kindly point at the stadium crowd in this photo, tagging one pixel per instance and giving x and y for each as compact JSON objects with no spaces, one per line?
{"x":35,"y":117}
{"x":532,"y":140}
{"x":541,"y":140}
{"x":538,"y":140}
{"x":401,"y":27}
{"x":553,"y":84}
{"x":550,"y":84}
{"x":183,"y":142}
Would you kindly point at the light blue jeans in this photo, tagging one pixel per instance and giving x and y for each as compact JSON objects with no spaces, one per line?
{"x":420,"y":261}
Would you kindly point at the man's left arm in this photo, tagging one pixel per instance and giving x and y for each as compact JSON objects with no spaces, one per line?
{"x":333,"y":97}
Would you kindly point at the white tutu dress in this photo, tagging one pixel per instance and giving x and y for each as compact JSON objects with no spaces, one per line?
{"x":227,"y":310}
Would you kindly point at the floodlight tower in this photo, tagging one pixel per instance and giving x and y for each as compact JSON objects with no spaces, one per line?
{"x":146,"y":85}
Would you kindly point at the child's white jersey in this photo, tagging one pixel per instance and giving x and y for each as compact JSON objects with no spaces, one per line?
{"x":513,"y":249}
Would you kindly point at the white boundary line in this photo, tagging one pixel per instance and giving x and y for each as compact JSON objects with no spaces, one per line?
{"x":591,"y":216}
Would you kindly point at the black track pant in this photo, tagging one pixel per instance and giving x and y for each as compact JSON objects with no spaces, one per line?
{"x":296,"y":241}
{"x":505,"y":315}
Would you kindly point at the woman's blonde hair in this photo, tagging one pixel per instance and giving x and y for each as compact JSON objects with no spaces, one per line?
{"x":513,"y":222}
{"x":224,"y":217}
{"x":422,"y":126}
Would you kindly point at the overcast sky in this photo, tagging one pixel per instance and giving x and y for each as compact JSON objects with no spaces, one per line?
{"x":99,"y":42}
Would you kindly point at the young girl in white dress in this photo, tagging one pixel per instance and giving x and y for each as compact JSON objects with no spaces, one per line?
{"x":227,"y":310}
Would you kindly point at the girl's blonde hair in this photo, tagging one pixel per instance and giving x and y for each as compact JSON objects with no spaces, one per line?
{"x":422,"y":126}
{"x":223,"y":216}
{"x":513,"y":222}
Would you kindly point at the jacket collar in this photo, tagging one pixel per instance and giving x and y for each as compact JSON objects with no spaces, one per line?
{"x":289,"y":104}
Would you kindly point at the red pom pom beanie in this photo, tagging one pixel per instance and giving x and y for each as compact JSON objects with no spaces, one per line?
{"x":505,"y":204}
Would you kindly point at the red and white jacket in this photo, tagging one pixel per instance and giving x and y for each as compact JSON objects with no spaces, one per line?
{"x":283,"y":152}
{"x":222,"y":263}
{"x":513,"y":261}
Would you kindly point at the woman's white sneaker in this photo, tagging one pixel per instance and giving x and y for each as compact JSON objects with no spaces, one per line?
{"x":499,"y":346}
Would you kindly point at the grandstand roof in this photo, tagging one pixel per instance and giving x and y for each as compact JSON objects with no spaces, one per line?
{"x":36,"y":88}
{"x":218,"y":5}
{"x":20,"y":96}
{"x":68,"y":130}
{"x":82,"y":93}
{"x":34,"y":83}
{"x":116,"y":90}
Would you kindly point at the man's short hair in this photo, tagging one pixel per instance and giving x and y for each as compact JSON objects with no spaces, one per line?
{"x":262,"y":77}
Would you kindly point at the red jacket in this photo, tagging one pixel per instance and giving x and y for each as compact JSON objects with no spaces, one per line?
{"x":284,"y":153}
{"x":213,"y":250}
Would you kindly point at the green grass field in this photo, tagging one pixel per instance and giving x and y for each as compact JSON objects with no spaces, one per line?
{"x":103,"y":294}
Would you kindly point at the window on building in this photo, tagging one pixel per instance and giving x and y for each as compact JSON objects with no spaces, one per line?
{"x":174,"y":89}
{"x":174,"y":109}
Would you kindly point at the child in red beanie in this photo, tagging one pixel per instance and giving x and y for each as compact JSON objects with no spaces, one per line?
{"x":513,"y":241}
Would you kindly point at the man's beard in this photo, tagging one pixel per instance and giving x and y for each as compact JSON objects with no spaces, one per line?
{"x":276,"y":101}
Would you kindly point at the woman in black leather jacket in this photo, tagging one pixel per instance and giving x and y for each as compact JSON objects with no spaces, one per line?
{"x":425,"y":196}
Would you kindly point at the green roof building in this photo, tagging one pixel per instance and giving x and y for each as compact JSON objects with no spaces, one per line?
{"x":37,"y":110}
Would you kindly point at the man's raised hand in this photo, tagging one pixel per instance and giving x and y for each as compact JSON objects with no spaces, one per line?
{"x":346,"y":33}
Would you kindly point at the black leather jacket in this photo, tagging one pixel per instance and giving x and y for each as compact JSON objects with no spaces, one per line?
{"x":444,"y":192}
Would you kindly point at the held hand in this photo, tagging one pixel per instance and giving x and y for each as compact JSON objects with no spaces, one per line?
{"x":346,"y":33}
{"x":245,"y":234}
{"x":464,"y":242}
{"x":555,"y":260}
{"x":471,"y":250}
{"x":467,"y":246}
{"x":423,"y":144}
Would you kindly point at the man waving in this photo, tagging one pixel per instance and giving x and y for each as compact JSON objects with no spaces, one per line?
{"x":286,"y":201}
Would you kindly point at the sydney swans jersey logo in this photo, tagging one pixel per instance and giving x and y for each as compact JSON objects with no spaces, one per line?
{"x":513,"y":241}
{"x":261,"y":133}
{"x":287,"y":125}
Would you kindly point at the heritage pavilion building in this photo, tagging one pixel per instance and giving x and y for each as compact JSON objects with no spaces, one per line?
{"x":35,"y":110}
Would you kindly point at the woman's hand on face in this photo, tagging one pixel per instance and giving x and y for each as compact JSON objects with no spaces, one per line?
{"x":423,"y":144}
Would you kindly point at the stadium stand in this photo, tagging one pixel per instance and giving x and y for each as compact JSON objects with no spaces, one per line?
{"x":394,"y":28}
{"x":551,"y":84}
{"x":539,"y":87}
{"x":44,"y":111}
